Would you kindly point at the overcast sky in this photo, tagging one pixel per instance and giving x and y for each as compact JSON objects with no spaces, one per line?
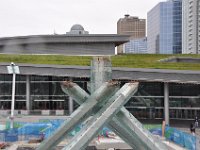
{"x":30,"y":17}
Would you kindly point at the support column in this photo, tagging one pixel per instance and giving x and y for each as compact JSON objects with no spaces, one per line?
{"x":70,"y":102}
{"x":101,"y":71}
{"x":28,"y":95}
{"x":71,"y":105}
{"x":166,"y":102}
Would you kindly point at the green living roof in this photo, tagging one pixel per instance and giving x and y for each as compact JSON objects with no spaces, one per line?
{"x":128,"y":60}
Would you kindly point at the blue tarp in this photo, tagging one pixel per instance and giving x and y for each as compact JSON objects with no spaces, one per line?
{"x":157,"y":131}
{"x":47,"y":127}
{"x":33,"y":128}
{"x":9,"y":135}
{"x":27,"y":131}
{"x":55,"y":124}
{"x":180,"y":138}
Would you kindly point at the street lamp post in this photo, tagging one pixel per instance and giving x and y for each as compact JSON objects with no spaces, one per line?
{"x":13,"y":69}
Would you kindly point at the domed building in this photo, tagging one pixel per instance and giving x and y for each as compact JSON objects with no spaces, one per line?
{"x":77,"y":29}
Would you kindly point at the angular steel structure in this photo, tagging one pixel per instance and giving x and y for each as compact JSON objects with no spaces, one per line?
{"x":107,"y":110}
{"x":84,"y":111}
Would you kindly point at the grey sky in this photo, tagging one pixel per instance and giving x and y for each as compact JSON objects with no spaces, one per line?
{"x":28,"y":17}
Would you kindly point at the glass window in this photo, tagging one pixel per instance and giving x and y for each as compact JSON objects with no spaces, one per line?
{"x":184,"y":89}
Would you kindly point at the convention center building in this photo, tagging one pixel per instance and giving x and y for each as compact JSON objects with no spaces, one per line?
{"x":38,"y":89}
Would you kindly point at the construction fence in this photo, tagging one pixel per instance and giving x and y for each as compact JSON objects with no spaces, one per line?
{"x":23,"y":131}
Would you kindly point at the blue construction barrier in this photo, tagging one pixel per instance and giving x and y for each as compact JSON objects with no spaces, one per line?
{"x":27,"y":131}
{"x":33,"y":128}
{"x":9,"y":135}
{"x":2,"y":136}
{"x":54,"y":125}
{"x":180,"y":138}
{"x":190,"y":142}
{"x":45,"y":128}
{"x":156,"y":131}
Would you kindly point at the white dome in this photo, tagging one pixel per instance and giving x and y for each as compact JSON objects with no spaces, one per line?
{"x":77,"y":27}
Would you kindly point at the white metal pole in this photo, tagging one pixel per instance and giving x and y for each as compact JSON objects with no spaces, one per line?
{"x":13,"y":101}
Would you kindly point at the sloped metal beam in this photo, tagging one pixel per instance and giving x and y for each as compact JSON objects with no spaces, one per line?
{"x":152,"y":143}
{"x":104,"y":92}
{"x":119,"y":123}
{"x":106,"y":113}
{"x":127,"y":135}
{"x":120,"y":128}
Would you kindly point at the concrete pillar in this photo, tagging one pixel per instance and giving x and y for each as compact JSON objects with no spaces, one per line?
{"x":71,"y":105}
{"x":28,"y":95}
{"x":166,"y":102}
{"x":70,"y":102}
{"x":101,"y":71}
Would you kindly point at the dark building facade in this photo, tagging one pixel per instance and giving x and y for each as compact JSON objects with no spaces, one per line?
{"x":40,"y":94}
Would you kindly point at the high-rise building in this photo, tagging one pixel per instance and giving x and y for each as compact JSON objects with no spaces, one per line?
{"x":191,"y":27}
{"x":138,"y":46}
{"x":132,"y":26}
{"x":164,"y":28}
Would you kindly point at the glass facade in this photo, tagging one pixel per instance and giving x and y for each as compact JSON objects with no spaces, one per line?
{"x":147,"y":103}
{"x":177,"y":27}
{"x":6,"y":91}
{"x":153,"y":30}
{"x":136,"y":46}
{"x":45,"y":92}
{"x":167,"y":38}
{"x":166,"y":31}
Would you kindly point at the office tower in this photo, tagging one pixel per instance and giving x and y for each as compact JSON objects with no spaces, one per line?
{"x":164,"y":28}
{"x":136,"y":46}
{"x":191,"y":27}
{"x":133,"y":26}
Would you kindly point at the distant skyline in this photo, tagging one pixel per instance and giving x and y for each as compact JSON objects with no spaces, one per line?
{"x":33,"y":17}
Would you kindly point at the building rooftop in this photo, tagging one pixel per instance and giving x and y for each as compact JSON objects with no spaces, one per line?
{"x":71,"y":44}
{"x":150,"y":61}
{"x":119,"y":73}
{"x":136,"y":67}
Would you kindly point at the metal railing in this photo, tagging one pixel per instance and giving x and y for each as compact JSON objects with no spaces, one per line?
{"x":7,"y":113}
